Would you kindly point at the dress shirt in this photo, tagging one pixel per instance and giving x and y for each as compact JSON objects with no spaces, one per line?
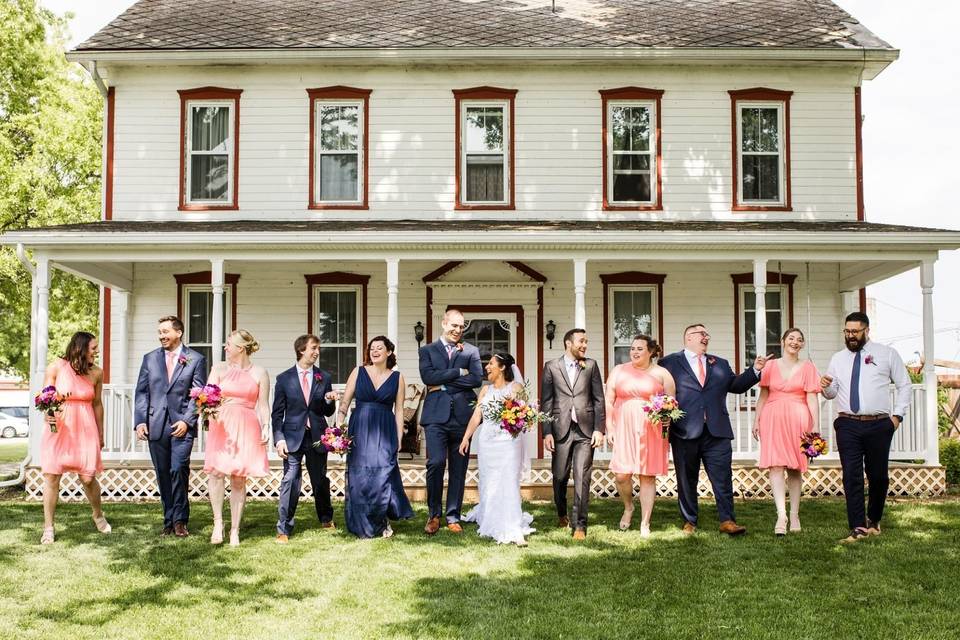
{"x":309,"y":373}
{"x":885,"y":366}
{"x":176,"y":353}
{"x":692,"y":360}
{"x":572,"y":369}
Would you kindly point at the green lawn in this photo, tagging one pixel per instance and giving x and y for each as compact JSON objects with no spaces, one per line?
{"x":322,"y":585}
{"x":12,"y":449}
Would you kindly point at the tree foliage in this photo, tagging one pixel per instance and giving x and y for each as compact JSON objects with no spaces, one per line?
{"x":50,"y":159}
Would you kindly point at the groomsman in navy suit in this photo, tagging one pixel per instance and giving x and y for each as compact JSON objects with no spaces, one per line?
{"x":451,"y":370}
{"x":704,"y":434}
{"x":165,"y":415}
{"x":302,"y":397}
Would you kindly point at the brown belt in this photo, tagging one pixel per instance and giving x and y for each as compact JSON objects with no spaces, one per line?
{"x":871,"y":418}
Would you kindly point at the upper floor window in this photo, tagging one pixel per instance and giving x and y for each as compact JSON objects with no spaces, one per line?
{"x":485,"y":148}
{"x":338,"y":147}
{"x":631,"y":149}
{"x":761,"y":150}
{"x":210,"y":124}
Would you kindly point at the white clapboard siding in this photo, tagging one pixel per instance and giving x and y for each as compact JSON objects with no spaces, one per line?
{"x":557,"y":129}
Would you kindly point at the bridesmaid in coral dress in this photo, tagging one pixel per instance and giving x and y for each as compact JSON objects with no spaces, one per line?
{"x":639,"y":447}
{"x":75,"y":445}
{"x":787,"y":408}
{"x":237,"y":437}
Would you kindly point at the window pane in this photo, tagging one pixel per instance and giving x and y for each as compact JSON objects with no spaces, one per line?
{"x":631,"y":162}
{"x":775,"y":326}
{"x":489,"y":336}
{"x":347,"y":317}
{"x":631,"y":187}
{"x":210,"y":128}
{"x":339,"y":361}
{"x":632,"y":314}
{"x":338,"y":176}
{"x":337,"y":317}
{"x":484,"y":129}
{"x":760,"y":129}
{"x":621,"y":355}
{"x":761,"y":178}
{"x":484,"y":178}
{"x":200,"y":316}
{"x":631,"y":128}
{"x":208,"y":177}
{"x":339,"y":128}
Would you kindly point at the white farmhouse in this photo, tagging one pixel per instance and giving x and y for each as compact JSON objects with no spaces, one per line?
{"x":356,"y":168}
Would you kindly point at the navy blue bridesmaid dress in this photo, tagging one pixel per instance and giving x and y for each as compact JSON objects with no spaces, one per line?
{"x":375,"y":492}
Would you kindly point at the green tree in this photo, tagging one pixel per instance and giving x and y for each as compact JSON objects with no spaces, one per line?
{"x":50,"y":159}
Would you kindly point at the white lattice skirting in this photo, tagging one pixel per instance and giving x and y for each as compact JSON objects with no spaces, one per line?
{"x":131,"y":483}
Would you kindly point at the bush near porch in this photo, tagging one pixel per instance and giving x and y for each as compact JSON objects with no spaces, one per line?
{"x":133,"y":584}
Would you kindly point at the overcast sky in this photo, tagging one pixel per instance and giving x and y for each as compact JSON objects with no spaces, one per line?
{"x":911,"y":137}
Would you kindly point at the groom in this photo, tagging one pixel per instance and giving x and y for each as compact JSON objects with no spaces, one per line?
{"x":165,"y":415}
{"x":704,"y":433}
{"x":451,"y":370}
{"x":571,"y":391}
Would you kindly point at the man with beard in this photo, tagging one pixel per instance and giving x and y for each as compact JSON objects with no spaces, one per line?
{"x":859,"y":378}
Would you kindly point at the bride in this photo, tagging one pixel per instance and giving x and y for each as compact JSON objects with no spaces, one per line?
{"x":500,"y":458}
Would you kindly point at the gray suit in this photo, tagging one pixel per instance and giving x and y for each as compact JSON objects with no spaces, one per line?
{"x":572,"y":439}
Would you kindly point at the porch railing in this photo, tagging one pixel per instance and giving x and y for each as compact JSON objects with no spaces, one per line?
{"x":909,"y":443}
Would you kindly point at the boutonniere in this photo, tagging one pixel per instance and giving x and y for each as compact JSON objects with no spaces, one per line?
{"x":183,"y":361}
{"x":869,"y":360}
{"x":317,"y":377}
{"x":458,"y":346}
{"x":711,"y":361}
{"x":582,"y":364}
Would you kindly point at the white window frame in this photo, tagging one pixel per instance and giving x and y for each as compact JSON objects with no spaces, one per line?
{"x":189,"y":152}
{"x":504,"y":150}
{"x":653,"y":289}
{"x":315,"y":329}
{"x":319,"y":104}
{"x":652,"y":152}
{"x":742,"y":290}
{"x":781,"y":150}
{"x":186,"y":290}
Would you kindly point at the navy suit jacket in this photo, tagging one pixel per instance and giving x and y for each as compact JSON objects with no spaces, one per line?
{"x":436,"y":370}
{"x":159,"y":403}
{"x":290,"y":410}
{"x":706,"y":404}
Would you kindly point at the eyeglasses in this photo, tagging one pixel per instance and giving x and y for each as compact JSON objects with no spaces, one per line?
{"x":702,"y":333}
{"x":853,"y":332}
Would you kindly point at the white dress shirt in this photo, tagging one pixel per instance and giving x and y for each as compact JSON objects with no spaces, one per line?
{"x":885,"y":366}
{"x":309,"y":373}
{"x":692,"y":360}
{"x":572,"y":369}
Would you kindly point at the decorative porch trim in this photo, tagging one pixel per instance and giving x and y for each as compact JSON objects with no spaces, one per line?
{"x":339,"y":92}
{"x":628,"y":94}
{"x":485,"y":93}
{"x":210,"y":93}
{"x":769,"y":95}
{"x":628,"y":278}
{"x":773,"y":278}
{"x":335,"y":278}
{"x":205,"y":277}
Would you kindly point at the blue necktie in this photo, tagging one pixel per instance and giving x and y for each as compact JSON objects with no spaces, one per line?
{"x":855,"y":385}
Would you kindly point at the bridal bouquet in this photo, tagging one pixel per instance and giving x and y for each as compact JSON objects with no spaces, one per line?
{"x":662,"y":409}
{"x":813,"y":445}
{"x":49,"y":401}
{"x":208,"y":399}
{"x":334,"y":440}
{"x":516,"y":414}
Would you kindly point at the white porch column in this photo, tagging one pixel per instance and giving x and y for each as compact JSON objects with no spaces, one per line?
{"x":118,"y":364}
{"x":929,"y":374}
{"x":41,"y":282}
{"x":760,"y":294}
{"x":216,"y":283}
{"x":393,"y":310}
{"x":579,"y":292}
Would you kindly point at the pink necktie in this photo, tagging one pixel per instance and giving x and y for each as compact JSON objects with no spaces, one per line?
{"x":170,"y":365}
{"x":449,"y":351}
{"x":305,"y":385}
{"x":701,"y":373}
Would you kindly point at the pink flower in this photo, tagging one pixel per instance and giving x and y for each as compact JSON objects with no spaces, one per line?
{"x":317,"y":377}
{"x":183,"y":360}
{"x":869,"y":360}
{"x":458,"y":346}
{"x":711,"y":361}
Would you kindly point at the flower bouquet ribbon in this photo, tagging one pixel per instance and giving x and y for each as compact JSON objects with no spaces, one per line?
{"x":49,"y":401}
{"x":208,"y":399}
{"x":813,"y":445}
{"x":662,"y":409}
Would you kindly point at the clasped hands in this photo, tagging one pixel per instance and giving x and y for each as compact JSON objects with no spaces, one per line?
{"x":180,"y":429}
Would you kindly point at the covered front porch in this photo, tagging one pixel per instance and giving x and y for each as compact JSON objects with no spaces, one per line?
{"x":520,"y":284}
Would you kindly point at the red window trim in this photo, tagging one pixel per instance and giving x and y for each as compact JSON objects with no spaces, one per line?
{"x":204,"y":277}
{"x":773,"y":278}
{"x":858,"y":137}
{"x":484,"y":93}
{"x":339,"y":278}
{"x":628,"y":278}
{"x":632,"y":93}
{"x":209,"y":93}
{"x":769,"y":95}
{"x":339,"y":92}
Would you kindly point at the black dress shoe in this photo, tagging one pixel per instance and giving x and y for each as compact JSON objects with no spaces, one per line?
{"x":167,"y":531}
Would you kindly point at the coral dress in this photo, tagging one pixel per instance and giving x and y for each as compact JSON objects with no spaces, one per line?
{"x":235,"y":441}
{"x":76,"y":444}
{"x":785,"y":416}
{"x":638,"y":446}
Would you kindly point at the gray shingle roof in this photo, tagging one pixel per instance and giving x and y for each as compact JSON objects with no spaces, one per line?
{"x":411,"y":24}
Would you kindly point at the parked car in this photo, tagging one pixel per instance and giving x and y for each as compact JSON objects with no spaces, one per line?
{"x":13,"y":422}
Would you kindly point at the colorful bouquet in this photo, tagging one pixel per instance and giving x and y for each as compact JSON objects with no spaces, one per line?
{"x":516,"y":414}
{"x":662,"y":409}
{"x":813,"y":445}
{"x":49,"y":401}
{"x":334,"y":440}
{"x":208,"y":399}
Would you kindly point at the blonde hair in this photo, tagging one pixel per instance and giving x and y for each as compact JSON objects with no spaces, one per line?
{"x":247,"y":341}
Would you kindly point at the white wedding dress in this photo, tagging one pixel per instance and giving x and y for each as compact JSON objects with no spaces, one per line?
{"x":500,"y":459}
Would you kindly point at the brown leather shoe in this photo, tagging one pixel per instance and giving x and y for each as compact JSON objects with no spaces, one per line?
{"x":167,"y":531}
{"x":433,"y":525}
{"x":732,"y":528}
{"x":282,"y":538}
{"x":579,"y":534}
{"x":563,"y":522}
{"x":689,"y":528}
{"x":328,"y":525}
{"x":454,"y":527}
{"x":180,"y":530}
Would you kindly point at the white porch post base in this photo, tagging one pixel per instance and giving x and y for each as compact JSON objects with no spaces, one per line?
{"x":929,"y":373}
